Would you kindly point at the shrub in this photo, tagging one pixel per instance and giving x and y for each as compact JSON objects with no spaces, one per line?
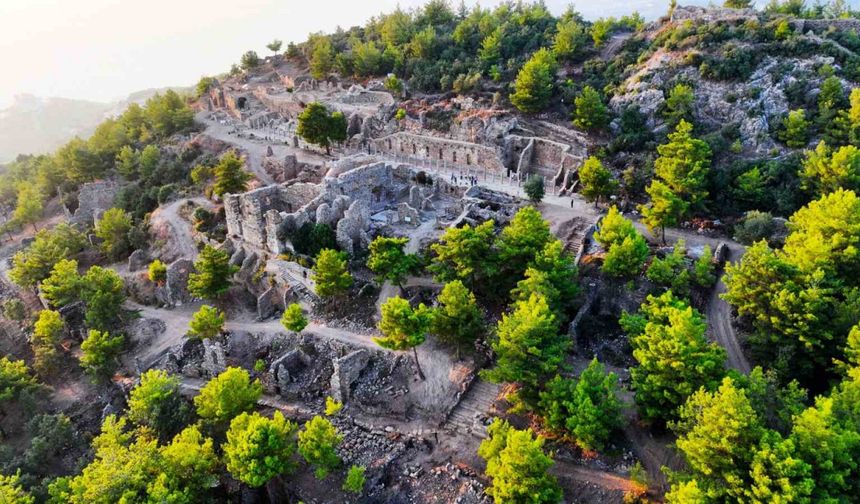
{"x":754,"y":227}
{"x":13,"y":309}
{"x":534,"y":189}
{"x":293,"y":318}
{"x":355,"y":479}
{"x":157,"y":272}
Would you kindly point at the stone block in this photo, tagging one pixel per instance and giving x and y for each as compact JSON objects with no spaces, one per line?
{"x":214,"y":357}
{"x":177,"y":281}
{"x":138,"y":260}
{"x":347,"y":369}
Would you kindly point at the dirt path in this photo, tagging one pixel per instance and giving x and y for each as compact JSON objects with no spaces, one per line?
{"x":718,"y":312}
{"x":255,"y":150}
{"x":721,"y":330}
{"x":180,"y":242}
{"x":177,"y":319}
{"x":607,"y":480}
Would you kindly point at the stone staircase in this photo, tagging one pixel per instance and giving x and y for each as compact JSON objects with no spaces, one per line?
{"x":473,"y":409}
{"x":571,"y":235}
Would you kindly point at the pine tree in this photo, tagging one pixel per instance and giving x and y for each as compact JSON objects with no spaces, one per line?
{"x":626,"y":259}
{"x":230,"y":178}
{"x":260,"y":448}
{"x":529,"y":348}
{"x":330,"y":273}
{"x":47,"y":332}
{"x":518,"y":466}
{"x":597,"y":182}
{"x":590,"y":113}
{"x":587,"y":408}
{"x":674,"y":357}
{"x":63,"y":285}
{"x":795,"y":131}
{"x":317,"y":444}
{"x":683,"y":164}
{"x":293,"y":319}
{"x":519,"y":242}
{"x":534,"y":189}
{"x":404,"y":327}
{"x":29,"y":206}
{"x":533,"y":87}
{"x":318,"y":126}
{"x":716,"y":433}
{"x":156,"y":402}
{"x":826,"y":170}
{"x":100,"y":352}
{"x":389,"y":260}
{"x":464,"y":253}
{"x":213,"y":273}
{"x":457,"y":319}
{"x":664,"y":209}
{"x":206,"y":323}
{"x":228,"y":394}
{"x":679,"y":105}
{"x":613,"y":228}
{"x":113,"y":228}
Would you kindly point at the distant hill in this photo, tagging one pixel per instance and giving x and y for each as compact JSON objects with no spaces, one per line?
{"x":36,"y":125}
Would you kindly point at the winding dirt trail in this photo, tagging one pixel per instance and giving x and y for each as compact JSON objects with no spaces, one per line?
{"x":721,"y":330}
{"x":718,"y":312}
{"x":255,"y":149}
{"x":179,"y":236}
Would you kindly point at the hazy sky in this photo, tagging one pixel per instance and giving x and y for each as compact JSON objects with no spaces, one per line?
{"x":105,"y":49}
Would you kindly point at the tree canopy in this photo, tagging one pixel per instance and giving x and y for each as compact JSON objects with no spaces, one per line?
{"x":529,"y":348}
{"x":228,"y":394}
{"x":212,"y":276}
{"x":318,"y":126}
{"x":674,"y":357}
{"x":207,"y":322}
{"x":535,"y":81}
{"x":260,"y":448}
{"x":518,"y":466}
{"x":330,"y":273}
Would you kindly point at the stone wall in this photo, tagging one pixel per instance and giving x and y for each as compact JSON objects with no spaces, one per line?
{"x":454,"y":152}
{"x":251,"y":214}
{"x":347,"y":369}
{"x":94,"y":198}
{"x":285,"y":103}
{"x":549,"y":159}
{"x":263,"y":217}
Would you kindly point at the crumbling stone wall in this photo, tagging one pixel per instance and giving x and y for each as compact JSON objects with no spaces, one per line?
{"x":347,"y":369}
{"x":176,"y":281}
{"x":446,"y":150}
{"x":357,"y":95}
{"x":549,"y":159}
{"x":93,"y":199}
{"x":265,"y":217}
{"x":249,"y":215}
{"x":284,"y":103}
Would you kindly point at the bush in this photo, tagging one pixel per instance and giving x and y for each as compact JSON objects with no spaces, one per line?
{"x":754,"y":227}
{"x":293,"y":318}
{"x":13,"y":309}
{"x":157,"y":272}
{"x":355,"y":480}
{"x":534,"y":189}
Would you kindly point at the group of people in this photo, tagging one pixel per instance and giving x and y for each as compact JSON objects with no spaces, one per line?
{"x":471,"y":180}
